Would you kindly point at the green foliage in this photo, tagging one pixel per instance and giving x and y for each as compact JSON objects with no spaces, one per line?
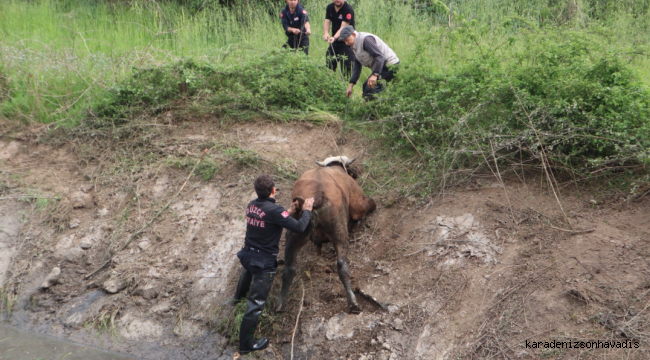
{"x":229,"y":325}
{"x":206,"y":5}
{"x":279,"y":80}
{"x":7,"y":300}
{"x":242,"y":157}
{"x":560,"y":92}
{"x":207,"y":168}
{"x":59,"y":57}
{"x":477,"y":76}
{"x":39,"y":201}
{"x":104,"y":322}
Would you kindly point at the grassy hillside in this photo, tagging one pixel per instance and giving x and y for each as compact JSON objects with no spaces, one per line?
{"x":558,"y":83}
{"x":57,"y":56}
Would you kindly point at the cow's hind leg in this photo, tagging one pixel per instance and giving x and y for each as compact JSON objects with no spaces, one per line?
{"x":340,"y":241}
{"x":295,"y":242}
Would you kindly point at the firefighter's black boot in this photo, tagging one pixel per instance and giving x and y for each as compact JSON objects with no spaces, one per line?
{"x":260,"y":289}
{"x":243,"y":285}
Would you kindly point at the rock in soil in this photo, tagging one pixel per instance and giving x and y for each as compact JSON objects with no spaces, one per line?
{"x":74,"y":223}
{"x":51,"y":279}
{"x":75,"y":256}
{"x":398,"y":325}
{"x":113,"y":286}
{"x":86,"y":244}
{"x":79,"y":200}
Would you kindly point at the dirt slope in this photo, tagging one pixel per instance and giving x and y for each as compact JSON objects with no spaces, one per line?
{"x":473,"y":273}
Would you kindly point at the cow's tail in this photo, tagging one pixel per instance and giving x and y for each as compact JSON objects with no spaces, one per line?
{"x":319,"y":201}
{"x":314,"y":217}
{"x":298,"y":213}
{"x":301,"y":202}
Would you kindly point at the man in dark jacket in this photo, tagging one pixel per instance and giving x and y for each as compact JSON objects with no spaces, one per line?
{"x":338,"y":15}
{"x":264,"y":223}
{"x":296,"y":25}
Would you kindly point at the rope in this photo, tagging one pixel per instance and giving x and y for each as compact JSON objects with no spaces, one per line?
{"x":347,"y":102}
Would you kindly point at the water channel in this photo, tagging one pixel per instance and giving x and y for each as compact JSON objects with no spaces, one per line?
{"x":21,"y":345}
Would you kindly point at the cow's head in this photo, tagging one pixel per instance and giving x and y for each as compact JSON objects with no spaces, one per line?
{"x":342,"y":161}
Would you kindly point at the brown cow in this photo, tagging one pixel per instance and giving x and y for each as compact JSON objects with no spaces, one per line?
{"x":339,"y":202}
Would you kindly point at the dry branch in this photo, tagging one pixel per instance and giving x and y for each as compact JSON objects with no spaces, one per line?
{"x":417,"y":252}
{"x":543,"y":157}
{"x":448,"y":298}
{"x":573,"y":232}
{"x":297,"y":318}
{"x":409,"y":139}
{"x":583,"y":265}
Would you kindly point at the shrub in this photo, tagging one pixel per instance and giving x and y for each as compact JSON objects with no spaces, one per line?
{"x":562,"y":92}
{"x":280,"y":80}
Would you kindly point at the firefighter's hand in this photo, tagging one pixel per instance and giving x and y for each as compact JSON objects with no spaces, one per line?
{"x":308,"y":205}
{"x":307,"y":32}
{"x":326,"y":37}
{"x":296,"y":31}
{"x":372,"y":80}
{"x":348,"y":92}
{"x":331,"y":40}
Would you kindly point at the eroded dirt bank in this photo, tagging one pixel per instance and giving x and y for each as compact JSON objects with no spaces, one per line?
{"x":472,"y":273}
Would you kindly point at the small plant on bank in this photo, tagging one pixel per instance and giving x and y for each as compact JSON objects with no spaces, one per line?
{"x":104,"y":322}
{"x":229,"y":326}
{"x":207,"y":168}
{"x":242,"y":157}
{"x":7,"y":301}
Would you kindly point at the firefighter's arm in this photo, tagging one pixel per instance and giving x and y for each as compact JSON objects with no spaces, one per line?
{"x":287,"y":221}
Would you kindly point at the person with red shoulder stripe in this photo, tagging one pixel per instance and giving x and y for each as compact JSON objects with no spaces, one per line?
{"x":295,"y":22}
{"x":264,"y":223}
{"x":338,"y":15}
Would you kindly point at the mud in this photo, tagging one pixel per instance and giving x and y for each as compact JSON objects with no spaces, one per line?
{"x":471,"y":274}
{"x":21,"y":345}
{"x":10,"y":220}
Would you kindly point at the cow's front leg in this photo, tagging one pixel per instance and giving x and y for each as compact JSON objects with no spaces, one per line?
{"x":292,"y":247}
{"x":344,"y":275}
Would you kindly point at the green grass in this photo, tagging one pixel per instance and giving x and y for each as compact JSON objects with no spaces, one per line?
{"x":229,"y":325}
{"x":230,"y":322}
{"x":471,"y":71}
{"x":104,"y":322}
{"x":57,"y":57}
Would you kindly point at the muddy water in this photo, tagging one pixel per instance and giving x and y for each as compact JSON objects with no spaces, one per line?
{"x":21,"y":345}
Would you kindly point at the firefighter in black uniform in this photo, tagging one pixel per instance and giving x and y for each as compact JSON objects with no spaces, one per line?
{"x":338,"y":14}
{"x":296,"y":25}
{"x":264,"y":223}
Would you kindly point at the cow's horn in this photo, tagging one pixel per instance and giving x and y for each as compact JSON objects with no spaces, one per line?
{"x":320,"y":163}
{"x":350,"y":161}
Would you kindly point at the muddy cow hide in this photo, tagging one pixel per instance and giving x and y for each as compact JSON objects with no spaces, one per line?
{"x":339,"y":202}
